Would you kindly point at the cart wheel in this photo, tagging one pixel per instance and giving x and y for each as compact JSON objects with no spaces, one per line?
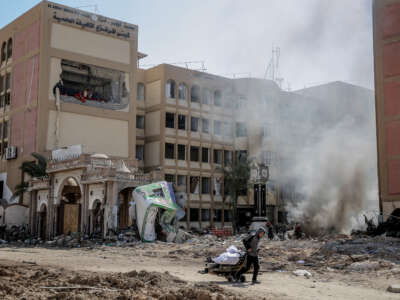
{"x":205,"y":270}
{"x":230,"y":278}
{"x":242,"y":278}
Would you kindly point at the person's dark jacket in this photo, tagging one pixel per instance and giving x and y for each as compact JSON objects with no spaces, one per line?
{"x":253,"y":251}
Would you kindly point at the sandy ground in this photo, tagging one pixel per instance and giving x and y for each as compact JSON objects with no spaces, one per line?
{"x":161,"y":258}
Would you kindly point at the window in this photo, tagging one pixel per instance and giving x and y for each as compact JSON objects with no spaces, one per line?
{"x":8,"y":99}
{"x":139,"y":122}
{"x":227,"y":158}
{"x":227,"y":215}
{"x":194,"y":124}
{"x":1,"y":131}
{"x":182,"y":122}
{"x":217,"y":215}
{"x":9,"y":48}
{"x":2,"y":101}
{"x":170,"y":89}
{"x":1,"y":84}
{"x":169,"y":151}
{"x":205,"y":214}
{"x":205,"y":185}
{"x":5,"y":130}
{"x":205,"y":125}
{"x":228,"y":131}
{"x":217,"y":156}
{"x":205,"y":155}
{"x":140,"y":91}
{"x":242,"y":192}
{"x":194,"y":214}
{"x":182,"y":179}
{"x":194,"y":185}
{"x":195,"y":94}
{"x":182,"y":91}
{"x":206,"y":96}
{"x":182,"y":152}
{"x":194,"y":153}
{"x":217,"y":98}
{"x":169,"y":178}
{"x":140,"y":152}
{"x":169,"y":120}
{"x":3,"y":51}
{"x":241,"y":129}
{"x":241,"y":155}
{"x":217,"y":127}
{"x":8,"y":81}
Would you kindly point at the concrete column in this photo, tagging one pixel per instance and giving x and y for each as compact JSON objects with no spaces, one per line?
{"x":110,"y":212}
{"x":84,"y":209}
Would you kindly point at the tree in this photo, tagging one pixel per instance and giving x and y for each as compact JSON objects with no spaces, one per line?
{"x":36,"y":168}
{"x":236,"y":177}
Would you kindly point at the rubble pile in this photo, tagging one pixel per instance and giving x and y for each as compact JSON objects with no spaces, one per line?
{"x":29,"y":281}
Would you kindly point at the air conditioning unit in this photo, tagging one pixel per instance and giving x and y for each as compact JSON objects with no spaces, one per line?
{"x":11,"y":152}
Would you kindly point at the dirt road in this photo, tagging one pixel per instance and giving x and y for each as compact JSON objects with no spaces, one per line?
{"x":275,"y":285}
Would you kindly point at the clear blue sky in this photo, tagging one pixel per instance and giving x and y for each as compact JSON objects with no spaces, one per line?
{"x":320,"y":40}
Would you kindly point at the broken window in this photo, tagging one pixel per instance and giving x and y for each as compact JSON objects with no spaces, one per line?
{"x":182,"y":91}
{"x":8,"y":99}
{"x":169,"y":120}
{"x":217,"y":156}
{"x":169,"y":151}
{"x":206,"y":96}
{"x":205,"y":214}
{"x":92,"y":85}
{"x":194,"y":215}
{"x":169,"y":178}
{"x":217,"y":127}
{"x":217,"y":98}
{"x":140,"y":152}
{"x":241,"y":129}
{"x":140,"y":91}
{"x":8,"y":81}
{"x":217,"y":215}
{"x":181,"y":152}
{"x":9,"y":48}
{"x":205,"y":125}
{"x":182,"y":122}
{"x":194,"y":184}
{"x":170,"y":89}
{"x":205,"y":185}
{"x":228,"y":157}
{"x":5,"y":130}
{"x":194,"y":124}
{"x":195,"y":94}
{"x":228,"y":215}
{"x":194,"y":153}
{"x":205,"y":155}
{"x":182,"y":181}
{"x":139,"y":122}
{"x":3,"y":51}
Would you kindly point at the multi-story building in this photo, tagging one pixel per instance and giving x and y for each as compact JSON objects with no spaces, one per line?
{"x":71,"y":90}
{"x":387,"y":93}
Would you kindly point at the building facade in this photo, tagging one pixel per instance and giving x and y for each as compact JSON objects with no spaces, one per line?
{"x":387,"y":93}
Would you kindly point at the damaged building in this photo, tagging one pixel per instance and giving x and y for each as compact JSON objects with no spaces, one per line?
{"x":71,"y":90}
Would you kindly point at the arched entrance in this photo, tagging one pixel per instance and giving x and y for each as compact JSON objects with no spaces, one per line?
{"x":97,"y":218}
{"x":43,"y":222}
{"x":69,"y":209}
{"x":125,"y":196}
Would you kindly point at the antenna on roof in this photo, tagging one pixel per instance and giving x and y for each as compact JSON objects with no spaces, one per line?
{"x":272,"y":71}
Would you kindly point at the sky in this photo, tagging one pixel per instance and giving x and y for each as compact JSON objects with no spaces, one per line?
{"x":319,"y":40}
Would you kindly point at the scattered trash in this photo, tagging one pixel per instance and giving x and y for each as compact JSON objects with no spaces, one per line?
{"x":394,"y":288}
{"x":304,"y":273}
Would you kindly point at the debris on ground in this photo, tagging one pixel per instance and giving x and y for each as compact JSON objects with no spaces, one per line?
{"x":27,"y":281}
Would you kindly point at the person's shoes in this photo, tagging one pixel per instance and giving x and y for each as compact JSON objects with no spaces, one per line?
{"x":255,"y":282}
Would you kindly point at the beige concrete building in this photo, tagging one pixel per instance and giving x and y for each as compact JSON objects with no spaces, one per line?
{"x":70,"y":89}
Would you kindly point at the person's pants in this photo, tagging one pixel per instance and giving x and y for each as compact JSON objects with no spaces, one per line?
{"x":251,"y":260}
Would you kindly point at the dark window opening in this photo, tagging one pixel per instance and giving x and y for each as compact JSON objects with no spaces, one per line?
{"x":170,"y":89}
{"x":227,"y":158}
{"x":169,"y":178}
{"x":217,"y":98}
{"x":217,"y":215}
{"x":205,"y":125}
{"x":140,"y":152}
{"x":205,"y":155}
{"x":194,"y":124}
{"x":228,"y":215}
{"x":8,"y":99}
{"x":3,"y":51}
{"x":194,"y":153}
{"x":169,"y":120}
{"x":169,"y":151}
{"x":195,"y":94}
{"x":8,"y":81}
{"x":181,"y":152}
{"x":139,"y":122}
{"x":194,"y":184}
{"x":206,"y":185}
{"x":205,"y":214}
{"x":9,"y":48}
{"x":217,"y":156}
{"x":182,"y":122}
{"x":194,"y":214}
